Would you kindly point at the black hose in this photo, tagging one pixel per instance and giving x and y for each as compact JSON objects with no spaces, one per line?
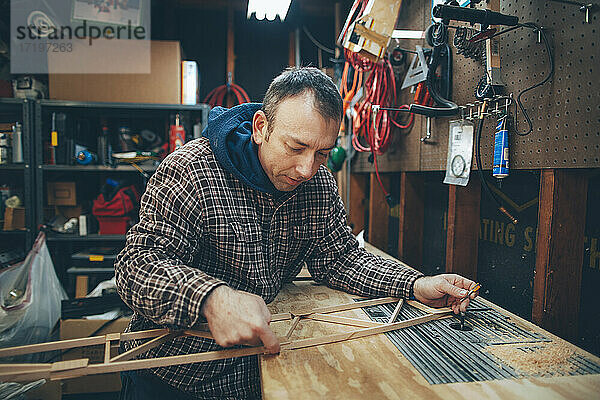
{"x":550,"y":74}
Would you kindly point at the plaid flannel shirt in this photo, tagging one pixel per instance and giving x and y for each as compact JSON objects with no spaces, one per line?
{"x":201,"y":227}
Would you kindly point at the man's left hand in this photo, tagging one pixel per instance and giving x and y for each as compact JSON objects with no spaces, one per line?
{"x":444,"y":290}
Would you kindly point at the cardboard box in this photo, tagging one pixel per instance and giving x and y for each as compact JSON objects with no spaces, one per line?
{"x":79,"y":328}
{"x":62,"y":194}
{"x":162,"y":85}
{"x":370,"y":35}
{"x":14,"y":218}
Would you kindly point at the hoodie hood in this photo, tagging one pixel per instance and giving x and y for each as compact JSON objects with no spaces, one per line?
{"x":229,"y":132}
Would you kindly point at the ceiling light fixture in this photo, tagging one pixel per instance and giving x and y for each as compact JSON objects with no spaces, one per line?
{"x":268,"y":9}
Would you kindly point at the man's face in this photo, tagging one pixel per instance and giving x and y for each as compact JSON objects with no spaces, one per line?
{"x":299,"y":141}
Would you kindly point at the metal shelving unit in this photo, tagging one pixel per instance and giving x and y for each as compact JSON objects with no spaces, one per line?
{"x":89,"y":177}
{"x":88,"y":238}
{"x":13,"y":109}
{"x":132,"y":110}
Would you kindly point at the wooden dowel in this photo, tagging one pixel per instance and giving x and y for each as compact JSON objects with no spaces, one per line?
{"x":295,"y":322}
{"x":51,"y":346}
{"x":344,"y":307}
{"x":343,"y":320}
{"x":201,"y":334}
{"x":274,"y":318}
{"x":396,"y":311}
{"x":5,"y":368}
{"x":107,"y":351}
{"x":428,"y":309}
{"x":145,"y":347}
{"x":297,"y":344}
{"x":159,"y":362}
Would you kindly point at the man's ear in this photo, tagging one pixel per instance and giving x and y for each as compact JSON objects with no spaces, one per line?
{"x":259,"y":127}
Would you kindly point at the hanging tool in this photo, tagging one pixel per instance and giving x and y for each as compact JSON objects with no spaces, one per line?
{"x":500,"y":161}
{"x":462,"y":315}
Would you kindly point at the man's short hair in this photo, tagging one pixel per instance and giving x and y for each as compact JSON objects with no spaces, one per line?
{"x":298,"y":80}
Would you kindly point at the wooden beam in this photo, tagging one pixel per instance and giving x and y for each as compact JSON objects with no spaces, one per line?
{"x":462,"y":237}
{"x":337,"y":12}
{"x":81,"y":286}
{"x":230,"y":75}
{"x":379,"y":212}
{"x":359,"y":184}
{"x":559,"y":251}
{"x":411,"y":218}
{"x":292,"y":49}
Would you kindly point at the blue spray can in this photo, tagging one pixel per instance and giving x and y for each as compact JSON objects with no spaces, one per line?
{"x":500,"y":165}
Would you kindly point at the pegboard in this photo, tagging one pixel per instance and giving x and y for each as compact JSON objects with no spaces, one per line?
{"x":565,"y":111}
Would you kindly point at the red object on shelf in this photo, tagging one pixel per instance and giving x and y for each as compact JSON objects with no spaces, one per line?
{"x":113,"y":225}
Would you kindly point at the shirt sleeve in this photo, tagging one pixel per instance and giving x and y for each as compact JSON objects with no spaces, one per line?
{"x":341,"y":264}
{"x":153,"y":273}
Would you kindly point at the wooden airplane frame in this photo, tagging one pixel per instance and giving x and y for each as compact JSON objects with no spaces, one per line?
{"x":126,"y":362}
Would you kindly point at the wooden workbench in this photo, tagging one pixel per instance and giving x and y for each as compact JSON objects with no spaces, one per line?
{"x":373,"y":368}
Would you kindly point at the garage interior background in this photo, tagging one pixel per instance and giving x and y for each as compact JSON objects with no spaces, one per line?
{"x":554,"y":185}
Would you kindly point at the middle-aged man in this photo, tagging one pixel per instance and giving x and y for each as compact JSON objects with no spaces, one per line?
{"x":229,"y":218}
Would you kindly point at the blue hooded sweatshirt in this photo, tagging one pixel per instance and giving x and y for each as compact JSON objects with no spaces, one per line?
{"x":229,"y":132}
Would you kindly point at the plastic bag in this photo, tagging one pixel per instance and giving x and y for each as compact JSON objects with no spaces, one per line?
{"x":30,"y":298}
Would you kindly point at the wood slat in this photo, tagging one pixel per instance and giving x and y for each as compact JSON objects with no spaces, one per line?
{"x":411,"y":219}
{"x":559,"y":251}
{"x":359,"y":186}
{"x":379,"y":211}
{"x":463,"y":228}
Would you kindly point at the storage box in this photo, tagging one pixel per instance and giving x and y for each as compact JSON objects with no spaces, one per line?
{"x":79,"y":328}
{"x":162,"y":85}
{"x":113,"y":225}
{"x":14,"y":218}
{"x":62,"y":194}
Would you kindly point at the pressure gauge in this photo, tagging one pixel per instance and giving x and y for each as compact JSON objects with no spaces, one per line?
{"x":458,"y":165}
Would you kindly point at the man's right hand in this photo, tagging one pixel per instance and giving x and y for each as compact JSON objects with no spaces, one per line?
{"x":236,"y":317}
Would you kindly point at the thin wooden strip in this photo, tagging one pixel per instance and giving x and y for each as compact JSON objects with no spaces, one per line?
{"x":396,"y":311}
{"x":201,"y":334}
{"x":51,"y":346}
{"x":107,"y":351}
{"x":26,"y":375}
{"x":297,"y":344}
{"x":145,"y":347}
{"x":159,"y":362}
{"x":111,"y":337}
{"x":343,"y":320}
{"x":292,"y":327}
{"x":274,"y":318}
{"x":71,"y":343}
{"x":147,"y":334}
{"x":281,"y":317}
{"x":69,"y":364}
{"x":79,"y":365}
{"x":428,"y":309}
{"x":344,"y":307}
{"x":5,"y":368}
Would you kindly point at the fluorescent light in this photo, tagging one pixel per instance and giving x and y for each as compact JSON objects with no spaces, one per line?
{"x":268,"y":9}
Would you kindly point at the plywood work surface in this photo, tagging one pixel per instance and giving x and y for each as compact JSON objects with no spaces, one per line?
{"x":373,"y":368}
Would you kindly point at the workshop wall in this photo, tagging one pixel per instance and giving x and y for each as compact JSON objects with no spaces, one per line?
{"x":565,"y":112}
{"x":261,"y":47}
